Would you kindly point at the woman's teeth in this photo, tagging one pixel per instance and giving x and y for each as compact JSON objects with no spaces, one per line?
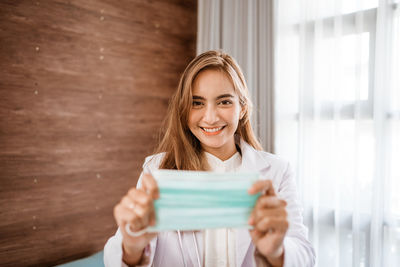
{"x":212,"y":130}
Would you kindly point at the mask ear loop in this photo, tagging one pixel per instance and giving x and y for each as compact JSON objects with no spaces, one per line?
{"x":181,"y":246}
{"x":197,"y":249}
{"x":132,"y":233}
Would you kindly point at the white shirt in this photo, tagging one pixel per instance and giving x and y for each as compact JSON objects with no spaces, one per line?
{"x":220,"y":244}
{"x":164,"y":250}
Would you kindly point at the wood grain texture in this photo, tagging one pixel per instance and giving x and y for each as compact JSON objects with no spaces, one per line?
{"x":84,"y":87}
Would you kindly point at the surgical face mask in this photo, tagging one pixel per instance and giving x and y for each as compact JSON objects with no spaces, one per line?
{"x":195,"y":200}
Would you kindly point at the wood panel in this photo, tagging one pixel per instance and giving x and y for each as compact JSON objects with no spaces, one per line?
{"x":84,"y":87}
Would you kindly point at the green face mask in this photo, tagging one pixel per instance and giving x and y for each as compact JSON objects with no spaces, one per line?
{"x":194,"y":200}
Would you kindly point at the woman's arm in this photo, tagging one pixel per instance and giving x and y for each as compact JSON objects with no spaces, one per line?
{"x":279,"y":233}
{"x":137,"y":209}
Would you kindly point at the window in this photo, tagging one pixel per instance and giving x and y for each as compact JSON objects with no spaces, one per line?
{"x":338,"y":122}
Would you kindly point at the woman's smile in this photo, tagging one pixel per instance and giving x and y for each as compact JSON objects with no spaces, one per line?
{"x":212,"y":131}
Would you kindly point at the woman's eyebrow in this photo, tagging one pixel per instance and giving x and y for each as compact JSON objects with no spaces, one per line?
{"x":218,"y":97}
{"x":224,"y":96}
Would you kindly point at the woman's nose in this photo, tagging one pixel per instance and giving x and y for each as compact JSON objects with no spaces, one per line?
{"x":210,"y":114}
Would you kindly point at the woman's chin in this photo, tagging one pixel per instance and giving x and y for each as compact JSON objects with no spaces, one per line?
{"x":211,"y":144}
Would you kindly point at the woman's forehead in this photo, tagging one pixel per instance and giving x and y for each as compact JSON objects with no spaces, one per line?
{"x":212,"y":83}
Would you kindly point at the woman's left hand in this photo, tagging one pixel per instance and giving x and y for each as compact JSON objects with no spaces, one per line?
{"x":269,"y":219}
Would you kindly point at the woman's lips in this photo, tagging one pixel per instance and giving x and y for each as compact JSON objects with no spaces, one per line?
{"x":212,"y":131}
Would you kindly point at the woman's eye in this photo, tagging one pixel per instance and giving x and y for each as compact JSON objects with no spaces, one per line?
{"x":196,"y":103}
{"x":226,"y":102}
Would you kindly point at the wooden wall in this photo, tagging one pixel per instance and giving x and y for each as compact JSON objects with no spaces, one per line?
{"x":84,"y":86}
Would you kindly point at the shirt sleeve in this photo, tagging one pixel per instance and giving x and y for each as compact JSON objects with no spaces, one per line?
{"x":113,"y":248}
{"x":113,"y":252}
{"x":298,"y":251}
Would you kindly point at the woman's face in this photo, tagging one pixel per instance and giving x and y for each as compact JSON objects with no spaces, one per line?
{"x":215,"y":113}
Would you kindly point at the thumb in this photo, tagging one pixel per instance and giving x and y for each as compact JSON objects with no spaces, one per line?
{"x":262,"y":186}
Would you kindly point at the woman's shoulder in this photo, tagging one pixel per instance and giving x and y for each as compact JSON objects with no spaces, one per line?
{"x":264,"y":157}
{"x":276,"y":162}
{"x":272,"y":157}
{"x":153,"y":161}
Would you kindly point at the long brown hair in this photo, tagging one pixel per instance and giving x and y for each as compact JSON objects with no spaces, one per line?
{"x":182,"y":149}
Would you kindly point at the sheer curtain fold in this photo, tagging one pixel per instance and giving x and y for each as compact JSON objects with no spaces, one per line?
{"x":337,"y":96}
{"x":244,"y":29}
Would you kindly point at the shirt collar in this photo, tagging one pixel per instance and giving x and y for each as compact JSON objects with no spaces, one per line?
{"x":231,"y":164}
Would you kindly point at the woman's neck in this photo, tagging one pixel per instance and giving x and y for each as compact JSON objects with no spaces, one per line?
{"x":223,"y":153}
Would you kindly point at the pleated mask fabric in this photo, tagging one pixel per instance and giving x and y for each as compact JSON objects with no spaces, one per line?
{"x":195,"y":200}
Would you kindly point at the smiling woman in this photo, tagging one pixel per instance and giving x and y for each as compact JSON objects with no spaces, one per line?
{"x":212,"y":133}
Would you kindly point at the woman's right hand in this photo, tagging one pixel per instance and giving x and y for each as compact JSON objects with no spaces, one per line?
{"x":137,"y":209}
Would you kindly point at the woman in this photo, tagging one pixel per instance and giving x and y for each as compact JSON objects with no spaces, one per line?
{"x":208,"y":128}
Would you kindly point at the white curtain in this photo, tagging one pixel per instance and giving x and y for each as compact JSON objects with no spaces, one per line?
{"x":244,"y":29}
{"x":337,"y":115}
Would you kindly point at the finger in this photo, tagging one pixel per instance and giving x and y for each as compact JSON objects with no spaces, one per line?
{"x":269,"y":202}
{"x":123,"y":216}
{"x":279,"y":224}
{"x":141,"y":210}
{"x":262,"y":213}
{"x":255,"y":235}
{"x":251,"y":220}
{"x":150,"y":185}
{"x":259,"y":213}
{"x":140,"y":197}
{"x":264,"y":203}
{"x":153,"y":218}
{"x":264,"y":186}
{"x":144,"y":212}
